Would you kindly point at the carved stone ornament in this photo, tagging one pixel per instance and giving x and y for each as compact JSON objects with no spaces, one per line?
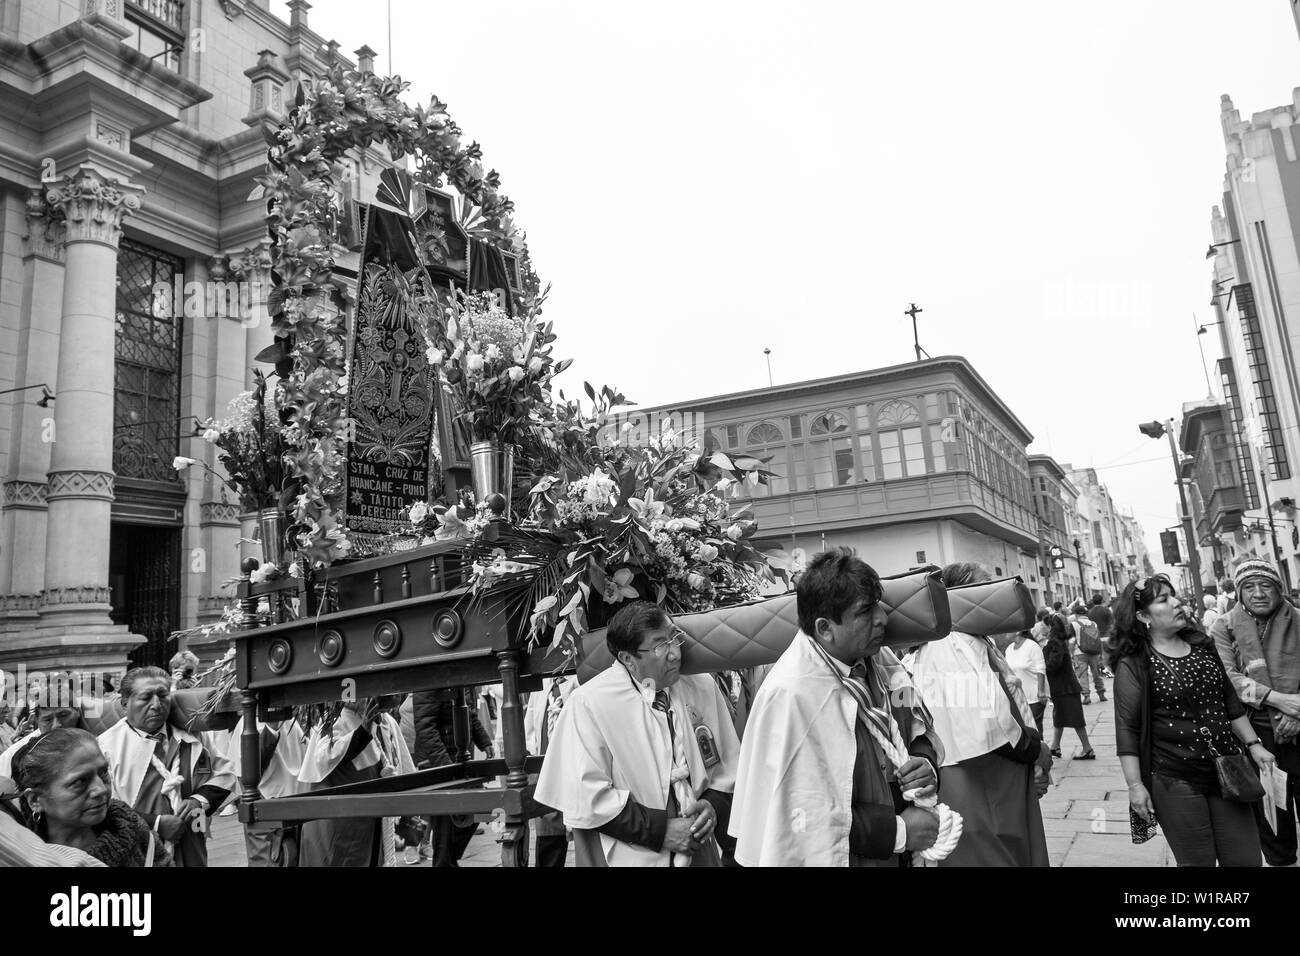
{"x":219,"y":512}
{"x":95,"y":485}
{"x":92,"y":207}
{"x":218,"y":268}
{"x":24,"y":494}
{"x":44,"y":233}
{"x":231,"y":8}
{"x":19,"y":602}
{"x":89,"y":594}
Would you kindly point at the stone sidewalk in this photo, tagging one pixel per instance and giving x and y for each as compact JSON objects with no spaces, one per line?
{"x":1085,"y":813}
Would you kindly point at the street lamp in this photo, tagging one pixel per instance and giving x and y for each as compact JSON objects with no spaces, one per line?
{"x":46,"y":395}
{"x":1078,"y":559}
{"x":1156,"y":430}
{"x":1209,"y":253}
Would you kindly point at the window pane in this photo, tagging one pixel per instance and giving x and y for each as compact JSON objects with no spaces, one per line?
{"x":765,"y":433}
{"x":796,"y":426}
{"x":830,"y":423}
{"x":936,"y":452}
{"x":914,"y":451}
{"x":821,"y":464}
{"x":778,"y":484}
{"x":866,"y":459}
{"x":890,"y":462}
{"x":733,"y":436}
{"x":843,"y":455}
{"x":798,"y":472}
{"x":932,"y":406}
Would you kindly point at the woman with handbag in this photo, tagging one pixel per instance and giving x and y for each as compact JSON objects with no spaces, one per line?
{"x":995,"y":764}
{"x":1063,"y":685}
{"x":1180,"y":731}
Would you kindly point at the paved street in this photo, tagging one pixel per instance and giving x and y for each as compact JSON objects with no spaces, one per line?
{"x":1085,"y":813}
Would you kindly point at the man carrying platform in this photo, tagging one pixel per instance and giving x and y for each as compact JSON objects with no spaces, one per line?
{"x":815,"y":787}
{"x":641,"y":759}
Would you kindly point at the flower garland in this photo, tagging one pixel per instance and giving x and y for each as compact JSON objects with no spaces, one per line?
{"x":341,"y":111}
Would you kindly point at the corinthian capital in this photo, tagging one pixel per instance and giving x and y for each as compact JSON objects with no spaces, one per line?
{"x":93,"y":207}
{"x":44,"y":231}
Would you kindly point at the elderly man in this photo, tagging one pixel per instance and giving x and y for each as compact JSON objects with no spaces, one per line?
{"x":1259,"y":643}
{"x":171,"y":779}
{"x":815,"y":787}
{"x":642,"y":760}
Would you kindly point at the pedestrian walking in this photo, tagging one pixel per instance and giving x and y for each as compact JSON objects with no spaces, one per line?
{"x":1176,"y":714}
{"x":1025,"y":659}
{"x":1087,"y":655}
{"x":1063,"y":685}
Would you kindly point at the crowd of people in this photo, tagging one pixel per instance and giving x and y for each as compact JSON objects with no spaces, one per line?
{"x":844,"y":752}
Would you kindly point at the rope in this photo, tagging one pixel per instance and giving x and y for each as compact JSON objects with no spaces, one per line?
{"x":950,"y":822}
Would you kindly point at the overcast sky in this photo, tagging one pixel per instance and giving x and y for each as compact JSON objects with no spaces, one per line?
{"x":702,"y":180}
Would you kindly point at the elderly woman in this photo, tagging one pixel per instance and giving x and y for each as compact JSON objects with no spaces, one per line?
{"x":992,"y":753}
{"x":66,"y":800}
{"x":166,"y":774}
{"x":1025,"y":658}
{"x":1175,"y":712}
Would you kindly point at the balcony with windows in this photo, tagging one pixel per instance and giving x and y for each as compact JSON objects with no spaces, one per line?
{"x":158,"y":30}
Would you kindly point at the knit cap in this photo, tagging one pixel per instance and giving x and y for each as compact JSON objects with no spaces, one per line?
{"x":1255,"y":568}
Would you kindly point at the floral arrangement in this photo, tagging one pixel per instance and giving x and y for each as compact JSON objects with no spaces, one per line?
{"x":440,"y":522}
{"x":497,"y":368}
{"x":249,"y":446}
{"x":650,"y":522}
{"x":341,"y":112}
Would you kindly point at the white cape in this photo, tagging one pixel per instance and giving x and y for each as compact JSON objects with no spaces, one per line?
{"x":130,"y":756}
{"x":794,"y":788}
{"x":610,"y":745}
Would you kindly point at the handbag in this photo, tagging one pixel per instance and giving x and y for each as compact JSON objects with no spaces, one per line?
{"x":1142,"y":830}
{"x":1238,"y":781}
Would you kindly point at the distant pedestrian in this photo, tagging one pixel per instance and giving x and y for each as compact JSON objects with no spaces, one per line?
{"x":1087,"y":657}
{"x":1210,"y":614}
{"x":1040,"y":631}
{"x":1025,"y":658}
{"x":1063,"y":685}
{"x":1176,"y":711}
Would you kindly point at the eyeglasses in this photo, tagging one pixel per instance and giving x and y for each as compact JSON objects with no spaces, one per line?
{"x":661,"y":648}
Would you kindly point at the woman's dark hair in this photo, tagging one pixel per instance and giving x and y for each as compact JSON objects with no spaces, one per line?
{"x":39,"y":761}
{"x":1056,"y":628}
{"x":136,"y":674}
{"x":629,"y":625}
{"x":965,"y":572}
{"x":1131,"y":636}
{"x":1044,"y":614}
{"x":832,"y":583}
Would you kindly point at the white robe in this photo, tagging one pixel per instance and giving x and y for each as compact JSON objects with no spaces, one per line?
{"x":794,"y":788}
{"x":130,"y":756}
{"x":280,"y":775}
{"x":535,"y":711}
{"x":610,"y":745}
{"x":323,"y":754}
{"x":971,"y":713}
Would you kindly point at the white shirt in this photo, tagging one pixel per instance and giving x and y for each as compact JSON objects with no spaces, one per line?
{"x":1027,"y":664}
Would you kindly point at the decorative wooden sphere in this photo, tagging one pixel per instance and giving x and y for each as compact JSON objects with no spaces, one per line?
{"x":249,"y":565}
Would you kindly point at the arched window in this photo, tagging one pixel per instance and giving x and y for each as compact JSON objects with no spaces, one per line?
{"x":765,"y":433}
{"x":893,"y":414}
{"x":831,"y":423}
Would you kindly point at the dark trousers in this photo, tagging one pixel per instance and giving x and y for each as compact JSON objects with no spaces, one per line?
{"x":1038,"y":708}
{"x":450,"y":839}
{"x":1280,"y":847}
{"x":1201,"y":829}
{"x":552,"y":850}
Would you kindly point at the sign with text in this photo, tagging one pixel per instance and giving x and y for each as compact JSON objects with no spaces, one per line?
{"x":390,"y":384}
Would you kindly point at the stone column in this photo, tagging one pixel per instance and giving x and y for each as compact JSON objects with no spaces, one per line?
{"x":32,"y":427}
{"x":251,"y":268}
{"x":79,"y":490}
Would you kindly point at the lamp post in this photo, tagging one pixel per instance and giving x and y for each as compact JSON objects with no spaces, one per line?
{"x":1155,"y":430}
{"x":914,"y":311}
{"x":1078,"y":559}
{"x":46,"y":395}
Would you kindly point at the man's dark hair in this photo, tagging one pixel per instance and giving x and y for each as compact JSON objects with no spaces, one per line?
{"x":135,"y":674}
{"x":965,"y":572}
{"x":1044,"y":614}
{"x":832,"y":583}
{"x":628,"y":627}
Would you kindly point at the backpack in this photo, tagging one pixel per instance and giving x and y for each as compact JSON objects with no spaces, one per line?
{"x":1089,"y":638}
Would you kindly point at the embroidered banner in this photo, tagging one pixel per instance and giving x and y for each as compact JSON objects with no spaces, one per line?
{"x":390,"y":389}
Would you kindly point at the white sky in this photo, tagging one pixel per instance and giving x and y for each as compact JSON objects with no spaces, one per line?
{"x":701,"y":180}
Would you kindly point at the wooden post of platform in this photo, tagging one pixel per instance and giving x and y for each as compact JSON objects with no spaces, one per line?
{"x":512,"y":719}
{"x":250,"y":751}
{"x":460,"y":726}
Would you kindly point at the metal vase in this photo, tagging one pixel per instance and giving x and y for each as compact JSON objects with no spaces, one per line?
{"x":270,"y":522}
{"x":491,"y":468}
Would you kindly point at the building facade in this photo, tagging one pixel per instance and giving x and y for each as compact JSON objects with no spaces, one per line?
{"x":1255,"y":293}
{"x":130,"y":133}
{"x":1054,"y":498}
{"x":913,"y":464}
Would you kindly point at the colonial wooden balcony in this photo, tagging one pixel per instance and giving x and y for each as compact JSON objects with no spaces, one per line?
{"x":1224,"y":509}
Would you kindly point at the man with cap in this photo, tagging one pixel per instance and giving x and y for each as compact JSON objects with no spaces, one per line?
{"x":1259,"y":644}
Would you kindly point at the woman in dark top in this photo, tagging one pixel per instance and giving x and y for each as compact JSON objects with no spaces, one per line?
{"x":1063,"y":686}
{"x":1175,"y":711}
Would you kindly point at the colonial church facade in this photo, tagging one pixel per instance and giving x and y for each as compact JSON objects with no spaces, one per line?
{"x":130,"y":135}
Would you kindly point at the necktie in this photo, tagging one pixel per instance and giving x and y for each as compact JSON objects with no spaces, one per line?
{"x":554,"y":703}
